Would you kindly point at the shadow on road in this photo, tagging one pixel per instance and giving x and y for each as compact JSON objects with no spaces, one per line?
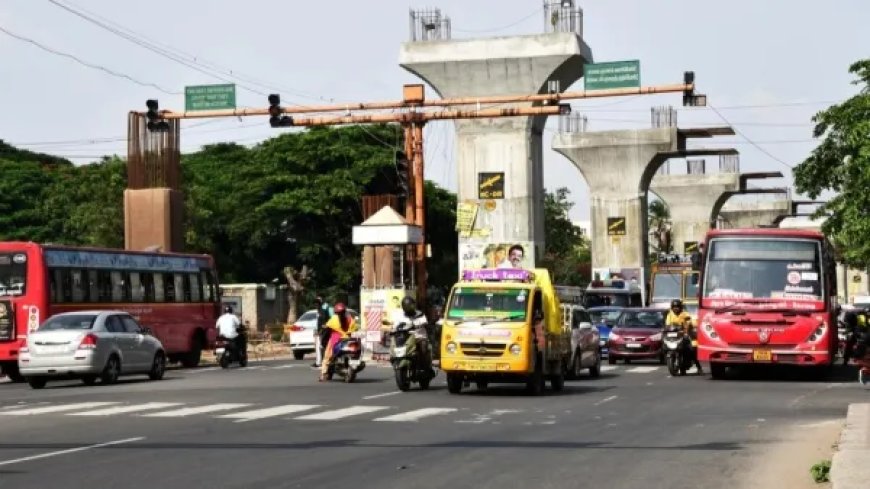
{"x":789,"y":373}
{"x":69,"y":384}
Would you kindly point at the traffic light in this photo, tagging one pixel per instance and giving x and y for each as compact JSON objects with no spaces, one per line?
{"x":690,"y":98}
{"x":402,"y":166}
{"x":155,"y":123}
{"x":275,"y":117}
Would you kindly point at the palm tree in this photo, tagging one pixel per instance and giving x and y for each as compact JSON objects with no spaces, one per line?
{"x":659,"y":221}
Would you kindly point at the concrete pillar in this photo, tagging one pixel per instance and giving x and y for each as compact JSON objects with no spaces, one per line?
{"x":753,"y":214}
{"x":501,"y":66}
{"x":690,"y":199}
{"x":618,"y":167}
{"x":153,"y":218}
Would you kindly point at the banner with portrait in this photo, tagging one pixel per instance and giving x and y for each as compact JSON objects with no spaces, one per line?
{"x":477,"y":255}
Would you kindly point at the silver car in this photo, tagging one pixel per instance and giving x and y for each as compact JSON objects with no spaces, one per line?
{"x":91,"y":345}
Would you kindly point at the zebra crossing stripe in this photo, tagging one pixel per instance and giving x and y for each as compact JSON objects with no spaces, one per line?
{"x":210,"y":408}
{"x":126,"y":409}
{"x":342,"y":413}
{"x":642,"y":370}
{"x":268,"y":412}
{"x":56,"y":409}
{"x":416,"y":415}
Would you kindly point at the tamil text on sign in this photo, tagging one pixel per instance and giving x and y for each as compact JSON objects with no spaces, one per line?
{"x":616,"y":74}
{"x":210,"y":97}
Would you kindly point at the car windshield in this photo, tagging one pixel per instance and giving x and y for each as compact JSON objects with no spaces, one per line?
{"x":666,"y":286}
{"x":13,"y":270}
{"x":605,"y":316}
{"x":71,"y":322}
{"x":642,"y":319}
{"x":308,"y":316}
{"x":488,"y":303}
{"x":763,"y":269}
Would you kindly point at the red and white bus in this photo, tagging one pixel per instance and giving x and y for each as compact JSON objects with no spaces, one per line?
{"x":175,"y":295}
{"x":767,"y":296}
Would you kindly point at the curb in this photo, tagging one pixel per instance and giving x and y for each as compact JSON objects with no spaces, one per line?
{"x":849,"y":466}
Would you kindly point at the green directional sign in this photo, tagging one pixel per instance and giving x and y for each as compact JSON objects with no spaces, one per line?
{"x":210,"y":97}
{"x":615,"y":74}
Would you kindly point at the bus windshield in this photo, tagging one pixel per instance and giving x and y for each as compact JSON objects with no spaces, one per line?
{"x":746,"y":268}
{"x":615,"y":299}
{"x":666,"y":286}
{"x":498,"y":304}
{"x":13,"y":271}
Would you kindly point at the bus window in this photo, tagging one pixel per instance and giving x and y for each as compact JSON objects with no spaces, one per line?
{"x":195,"y":288}
{"x":136,"y":288}
{"x":93,"y":286}
{"x":169,"y":287}
{"x":104,"y":284}
{"x":119,"y":287}
{"x":148,"y":285}
{"x":179,"y":287}
{"x":55,"y":285}
{"x":79,"y":288}
{"x":159,"y":288}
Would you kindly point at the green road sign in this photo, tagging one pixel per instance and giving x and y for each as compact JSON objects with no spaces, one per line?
{"x":210,"y":97}
{"x":616,"y":74}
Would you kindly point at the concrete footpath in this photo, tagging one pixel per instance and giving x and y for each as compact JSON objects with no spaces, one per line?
{"x":850,"y":466}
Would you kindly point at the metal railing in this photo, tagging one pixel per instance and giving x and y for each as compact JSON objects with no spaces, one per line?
{"x":665,"y":116}
{"x":573,"y":123}
{"x":696,"y":167}
{"x":429,"y":25}
{"x":729,"y":163}
{"x":562,"y":16}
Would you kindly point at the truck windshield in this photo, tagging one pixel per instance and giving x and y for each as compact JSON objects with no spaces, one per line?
{"x":763,"y":269}
{"x":666,"y":286}
{"x":691,"y":285}
{"x":13,"y":271}
{"x":494,"y":304}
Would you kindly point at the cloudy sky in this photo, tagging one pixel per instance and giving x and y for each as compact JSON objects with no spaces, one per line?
{"x":767,"y":67}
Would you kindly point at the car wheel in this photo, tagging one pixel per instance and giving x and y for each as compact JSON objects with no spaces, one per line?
{"x":112,"y":371}
{"x":611,"y":360}
{"x":577,"y":366}
{"x":298,"y":354}
{"x":89,"y":379}
{"x":158,"y":367}
{"x":37,"y":382}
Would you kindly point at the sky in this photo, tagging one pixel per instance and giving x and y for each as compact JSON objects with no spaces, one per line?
{"x":766,"y":67}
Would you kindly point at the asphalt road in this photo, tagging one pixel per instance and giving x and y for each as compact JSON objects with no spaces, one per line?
{"x":272,"y":425}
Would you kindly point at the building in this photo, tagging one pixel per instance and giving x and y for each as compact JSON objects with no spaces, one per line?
{"x":257,"y":304}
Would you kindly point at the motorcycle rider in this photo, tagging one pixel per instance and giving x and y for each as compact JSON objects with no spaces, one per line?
{"x":228,"y":325}
{"x":410,"y":313}
{"x":340,"y":326}
{"x":678,"y":317}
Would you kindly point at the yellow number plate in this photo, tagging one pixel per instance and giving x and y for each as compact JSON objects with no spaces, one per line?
{"x":762,"y":355}
{"x":482,"y":367}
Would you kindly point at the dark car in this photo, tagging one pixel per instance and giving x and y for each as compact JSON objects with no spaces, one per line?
{"x":637,"y":336}
{"x":604,"y":318}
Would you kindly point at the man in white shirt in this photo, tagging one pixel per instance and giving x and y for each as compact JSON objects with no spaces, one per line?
{"x":228,"y":324}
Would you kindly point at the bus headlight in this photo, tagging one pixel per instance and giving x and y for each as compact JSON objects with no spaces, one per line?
{"x":451,"y":347}
{"x":516,"y":349}
{"x":817,"y":334}
{"x":707,"y":326}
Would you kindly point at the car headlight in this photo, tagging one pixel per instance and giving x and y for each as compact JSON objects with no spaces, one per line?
{"x":451,"y":347}
{"x":516,"y":349}
{"x":656,"y":337}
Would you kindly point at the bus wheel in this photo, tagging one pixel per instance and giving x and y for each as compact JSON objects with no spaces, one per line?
{"x":11,"y":371}
{"x":717,"y":370}
{"x":191,"y":359}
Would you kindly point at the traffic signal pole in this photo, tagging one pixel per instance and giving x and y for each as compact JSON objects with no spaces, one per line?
{"x":413,"y":119}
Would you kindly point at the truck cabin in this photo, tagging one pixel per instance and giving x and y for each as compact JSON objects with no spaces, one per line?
{"x":618,"y":293}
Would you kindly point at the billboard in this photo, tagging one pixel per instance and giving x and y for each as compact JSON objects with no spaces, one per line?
{"x":496,"y":255}
{"x":377,"y":305}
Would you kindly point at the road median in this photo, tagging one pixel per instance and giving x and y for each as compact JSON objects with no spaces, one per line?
{"x":850,"y":466}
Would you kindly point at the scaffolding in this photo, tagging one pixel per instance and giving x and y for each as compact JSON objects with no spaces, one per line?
{"x":573,"y":123}
{"x":665,"y":116}
{"x":153,"y":157}
{"x":562,"y":16}
{"x":429,"y":25}
{"x":729,"y":163}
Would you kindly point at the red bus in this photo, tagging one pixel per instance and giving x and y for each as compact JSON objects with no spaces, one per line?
{"x":175,"y":295}
{"x":767,"y":296}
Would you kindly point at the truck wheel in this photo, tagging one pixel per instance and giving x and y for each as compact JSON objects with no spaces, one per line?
{"x":557,"y":382}
{"x":454,"y":383}
{"x":11,"y":371}
{"x":298,"y":354}
{"x":535,"y":384}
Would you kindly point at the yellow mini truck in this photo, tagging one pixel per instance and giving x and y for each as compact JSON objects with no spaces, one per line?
{"x":504,"y":325}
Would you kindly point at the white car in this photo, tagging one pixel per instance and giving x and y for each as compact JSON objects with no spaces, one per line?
{"x":302,"y":333}
{"x":90,"y":345}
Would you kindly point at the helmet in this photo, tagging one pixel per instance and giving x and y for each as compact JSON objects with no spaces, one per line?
{"x":228,"y":309}
{"x":408,"y":302}
{"x":676,"y":303}
{"x":339,"y":308}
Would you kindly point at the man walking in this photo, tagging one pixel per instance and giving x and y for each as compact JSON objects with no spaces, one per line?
{"x":322,"y":332}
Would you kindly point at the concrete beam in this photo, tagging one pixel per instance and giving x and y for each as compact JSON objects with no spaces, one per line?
{"x":800,"y":203}
{"x":746,"y":177}
{"x":702,"y":132}
{"x":753,"y":214}
{"x":513,"y":146}
{"x":717,"y":207}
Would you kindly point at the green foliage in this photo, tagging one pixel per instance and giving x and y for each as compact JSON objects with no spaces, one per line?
{"x":821,"y":471}
{"x":12,"y":153}
{"x":566,"y":254}
{"x":841,"y":163}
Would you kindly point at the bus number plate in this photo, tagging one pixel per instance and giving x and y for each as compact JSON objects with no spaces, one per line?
{"x":762,"y":355}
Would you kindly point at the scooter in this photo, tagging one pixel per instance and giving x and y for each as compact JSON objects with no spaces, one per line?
{"x":227,"y":353}
{"x":346,"y":359}
{"x":409,"y":363}
{"x":678,"y":350}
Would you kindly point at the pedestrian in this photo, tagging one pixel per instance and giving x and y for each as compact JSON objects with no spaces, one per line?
{"x":322,"y":332}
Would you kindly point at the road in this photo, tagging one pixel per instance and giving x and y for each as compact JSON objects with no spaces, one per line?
{"x":272,"y":425}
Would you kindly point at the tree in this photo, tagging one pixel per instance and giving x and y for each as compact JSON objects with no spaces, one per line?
{"x":442,"y":236}
{"x":659,"y":218}
{"x":841,"y":163}
{"x":566,"y":252}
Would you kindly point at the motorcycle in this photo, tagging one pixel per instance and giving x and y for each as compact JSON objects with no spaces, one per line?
{"x":227,"y":352}
{"x":678,"y":350}
{"x":346,"y":359}
{"x":409,"y":363}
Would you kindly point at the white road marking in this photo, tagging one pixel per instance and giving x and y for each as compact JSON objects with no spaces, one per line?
{"x":126,"y":409}
{"x":201,"y":370}
{"x":608,"y":368}
{"x":483,"y":418}
{"x":416,"y":415}
{"x":57,"y":409}
{"x":280,"y":367}
{"x":342,"y":413}
{"x":210,"y":408}
{"x":70,"y":450}
{"x":385,"y":394}
{"x":606,"y":399}
{"x":268,"y":412}
{"x":642,"y":370}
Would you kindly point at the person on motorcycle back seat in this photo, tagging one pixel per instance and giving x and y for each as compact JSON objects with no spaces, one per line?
{"x":683,"y":320}
{"x":340,"y":326}
{"x":228,"y":327}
